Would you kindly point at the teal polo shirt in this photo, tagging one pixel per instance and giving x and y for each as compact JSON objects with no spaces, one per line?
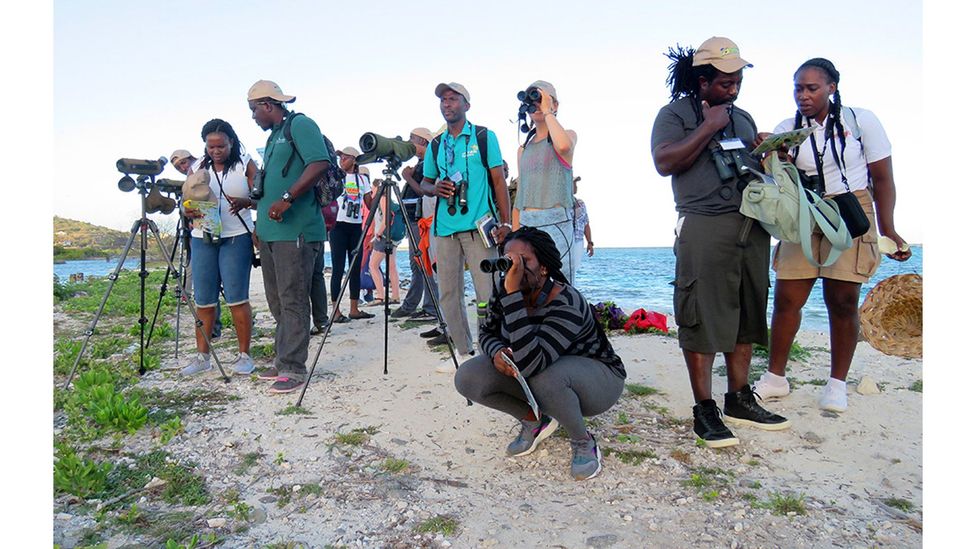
{"x":304,"y":217}
{"x":467,"y":160}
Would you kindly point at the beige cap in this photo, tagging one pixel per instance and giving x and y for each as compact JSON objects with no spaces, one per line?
{"x":422,"y":133}
{"x":364,"y":170}
{"x":549,"y":88}
{"x":179,"y":154}
{"x":351,"y":151}
{"x":454,"y":86}
{"x":720,"y":53}
{"x":263,"y":89}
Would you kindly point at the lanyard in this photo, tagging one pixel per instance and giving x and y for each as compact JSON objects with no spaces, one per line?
{"x":818,"y":155}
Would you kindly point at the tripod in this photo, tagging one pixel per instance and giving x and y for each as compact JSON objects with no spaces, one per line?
{"x":141,"y":226}
{"x":181,"y":243}
{"x":388,"y":186}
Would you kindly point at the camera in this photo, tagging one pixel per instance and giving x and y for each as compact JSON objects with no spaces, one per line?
{"x":376,"y":147}
{"x":497,"y":265}
{"x":813,"y":183}
{"x":257,"y":191}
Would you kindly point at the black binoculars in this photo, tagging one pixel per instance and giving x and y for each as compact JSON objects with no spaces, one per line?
{"x":497,"y":265}
{"x":459,"y":199}
{"x":529,"y":98}
{"x":257,"y":190}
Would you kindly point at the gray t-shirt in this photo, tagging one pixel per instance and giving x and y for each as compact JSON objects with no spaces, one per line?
{"x":698,"y":190}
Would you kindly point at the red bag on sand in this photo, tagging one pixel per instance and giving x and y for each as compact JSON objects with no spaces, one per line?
{"x":643,"y":321}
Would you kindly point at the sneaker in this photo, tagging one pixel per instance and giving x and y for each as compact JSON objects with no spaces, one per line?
{"x":319,"y":328}
{"x":422,"y":315}
{"x":268,"y":374}
{"x":834,"y":396}
{"x":286,"y":385}
{"x":439,"y":340}
{"x":709,"y":427}
{"x":770,"y":385}
{"x":741,"y":408}
{"x":446,"y":367}
{"x":199,"y":363}
{"x":531,"y":435}
{"x":431,"y":333}
{"x":401,"y":313}
{"x":244,"y":364}
{"x":587,"y":459}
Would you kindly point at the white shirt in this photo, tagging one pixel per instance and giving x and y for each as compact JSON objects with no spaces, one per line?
{"x":235,"y":184}
{"x":352,"y":192}
{"x":874,"y":146}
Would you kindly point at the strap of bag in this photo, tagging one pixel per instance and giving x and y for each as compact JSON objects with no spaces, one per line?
{"x":227,"y":198}
{"x":810,"y":212}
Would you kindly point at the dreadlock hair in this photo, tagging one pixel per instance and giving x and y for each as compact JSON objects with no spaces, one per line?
{"x":219,"y":126}
{"x":544,"y":248}
{"x":683,"y":76}
{"x":833,"y":77}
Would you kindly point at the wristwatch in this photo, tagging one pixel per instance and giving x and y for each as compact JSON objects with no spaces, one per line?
{"x":287,"y":197}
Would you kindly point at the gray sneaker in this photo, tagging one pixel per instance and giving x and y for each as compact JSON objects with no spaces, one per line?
{"x":587,"y":459}
{"x":532,"y":433}
{"x":199,"y":363}
{"x":244,"y":364}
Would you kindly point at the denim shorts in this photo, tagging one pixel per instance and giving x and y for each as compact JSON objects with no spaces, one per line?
{"x":227,"y":263}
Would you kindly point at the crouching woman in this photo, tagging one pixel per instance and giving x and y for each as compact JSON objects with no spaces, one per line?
{"x":547,"y":329}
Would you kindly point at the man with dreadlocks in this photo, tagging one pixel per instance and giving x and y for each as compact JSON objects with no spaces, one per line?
{"x":722,"y":258}
{"x":548,"y":330}
{"x":848,"y":152}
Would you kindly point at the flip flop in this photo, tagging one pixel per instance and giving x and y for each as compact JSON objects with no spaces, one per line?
{"x":341,"y":319}
{"x":361,"y":315}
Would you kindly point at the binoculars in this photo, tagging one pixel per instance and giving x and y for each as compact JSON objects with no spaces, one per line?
{"x":460,"y":197}
{"x":529,"y":98}
{"x":497,"y":265}
{"x":257,"y":190}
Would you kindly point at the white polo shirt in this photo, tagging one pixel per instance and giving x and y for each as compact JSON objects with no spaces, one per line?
{"x":874,"y":146}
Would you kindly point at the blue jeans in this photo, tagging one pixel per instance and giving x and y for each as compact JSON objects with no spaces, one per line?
{"x":227,"y":262}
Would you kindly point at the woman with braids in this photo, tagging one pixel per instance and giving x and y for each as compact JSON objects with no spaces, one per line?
{"x":721,"y":257}
{"x":848,"y":151}
{"x":546,"y":327}
{"x":545,"y":162}
{"x":224,"y":259}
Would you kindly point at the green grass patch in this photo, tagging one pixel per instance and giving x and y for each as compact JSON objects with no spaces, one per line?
{"x":411,"y":324}
{"x":293,"y":410}
{"x":182,"y":485}
{"x":901,"y":504}
{"x":394,"y":465}
{"x":814,"y":382}
{"x":356,"y":437}
{"x":265,"y":350}
{"x":639,"y":390}
{"x":631,"y":457}
{"x":73,"y":474}
{"x":916,"y":386}
{"x":122,"y":301}
{"x":783,"y":504}
{"x":797,"y":352}
{"x":707,"y":477}
{"x":622,"y":419}
{"x":628,"y":439}
{"x":249,"y":460}
{"x":441,"y":524}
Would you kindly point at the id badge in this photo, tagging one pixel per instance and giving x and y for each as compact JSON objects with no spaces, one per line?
{"x":731,"y":144}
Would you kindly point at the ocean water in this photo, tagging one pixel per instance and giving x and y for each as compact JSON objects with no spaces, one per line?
{"x":631,"y":277}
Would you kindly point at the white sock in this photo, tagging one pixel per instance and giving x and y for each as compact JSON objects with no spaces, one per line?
{"x":837,"y":385}
{"x":775,"y":379}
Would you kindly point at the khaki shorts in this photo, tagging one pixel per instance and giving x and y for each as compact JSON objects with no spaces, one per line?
{"x":856,"y":264}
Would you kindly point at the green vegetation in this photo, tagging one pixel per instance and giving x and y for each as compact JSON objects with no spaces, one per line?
{"x":78,"y":476}
{"x":783,"y":504}
{"x":629,"y":439}
{"x":900,"y":504}
{"x":293,"y":410}
{"x":356,"y":437}
{"x":393,"y":465}
{"x":631,"y":457}
{"x":797,"y":352}
{"x":250,"y":460}
{"x":441,"y":524}
{"x":916,"y":386}
{"x":182,"y":485}
{"x":265,"y":350}
{"x":622,"y":418}
{"x":708,"y":481}
{"x":639,"y":390}
{"x":284,"y":493}
{"x":170,"y":429}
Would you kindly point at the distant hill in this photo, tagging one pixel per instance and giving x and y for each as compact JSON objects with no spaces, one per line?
{"x":79,"y":240}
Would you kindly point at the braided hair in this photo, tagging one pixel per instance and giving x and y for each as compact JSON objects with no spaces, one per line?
{"x":833,"y":77}
{"x":683,"y":77}
{"x":219,"y":126}
{"x":544,"y":248}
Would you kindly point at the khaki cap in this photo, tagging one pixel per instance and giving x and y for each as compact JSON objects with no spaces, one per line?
{"x":351,"y":151}
{"x":543,"y":85}
{"x":422,"y":133}
{"x":364,"y":171}
{"x":720,"y":53}
{"x":454,"y":86}
{"x":263,"y":89}
{"x":179,"y":154}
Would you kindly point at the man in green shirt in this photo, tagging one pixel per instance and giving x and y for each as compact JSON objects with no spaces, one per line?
{"x":289,"y":226}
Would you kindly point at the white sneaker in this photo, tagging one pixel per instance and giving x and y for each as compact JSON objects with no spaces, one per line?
{"x":199,"y":363}
{"x":770,"y":385}
{"x":445,"y":367}
{"x":244,"y":364}
{"x":834,"y":397}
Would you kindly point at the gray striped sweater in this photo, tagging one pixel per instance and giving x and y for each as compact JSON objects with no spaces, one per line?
{"x":563,"y":327}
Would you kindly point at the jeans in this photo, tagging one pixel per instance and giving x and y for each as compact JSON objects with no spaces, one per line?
{"x":417,"y":286}
{"x":227,"y":262}
{"x":452,"y":253}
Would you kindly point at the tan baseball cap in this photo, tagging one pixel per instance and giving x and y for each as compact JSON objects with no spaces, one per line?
{"x":263,"y":89}
{"x":542,"y":84}
{"x":351,"y":151}
{"x":364,"y":171}
{"x":422,"y":133}
{"x":179,"y":154}
{"x":454,"y":86}
{"x":720,"y":53}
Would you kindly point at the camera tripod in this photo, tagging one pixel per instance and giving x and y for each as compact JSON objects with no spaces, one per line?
{"x":386,"y":188}
{"x":141,"y":227}
{"x":181,"y":243}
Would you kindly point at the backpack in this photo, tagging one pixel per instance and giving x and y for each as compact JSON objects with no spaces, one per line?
{"x":329,"y":186}
{"x":399,"y":228}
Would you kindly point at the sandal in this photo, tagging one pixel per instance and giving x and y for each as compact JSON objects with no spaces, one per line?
{"x":374,"y":303}
{"x":361,"y":315}
{"x":341,"y":319}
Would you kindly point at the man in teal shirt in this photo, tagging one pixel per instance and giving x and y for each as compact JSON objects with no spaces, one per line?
{"x":289,"y":226}
{"x":458,"y":158}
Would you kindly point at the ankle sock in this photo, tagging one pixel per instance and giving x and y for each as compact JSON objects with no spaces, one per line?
{"x":775,"y":379}
{"x":834,"y":384}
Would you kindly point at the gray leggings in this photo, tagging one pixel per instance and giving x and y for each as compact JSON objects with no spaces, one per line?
{"x":569,"y":389}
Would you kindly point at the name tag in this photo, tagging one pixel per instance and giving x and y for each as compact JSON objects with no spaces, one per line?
{"x":731,"y":144}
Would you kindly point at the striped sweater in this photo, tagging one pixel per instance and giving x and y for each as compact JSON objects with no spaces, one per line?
{"x":563,"y":327}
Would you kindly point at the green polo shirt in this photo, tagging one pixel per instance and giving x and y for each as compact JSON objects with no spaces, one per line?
{"x":467,"y":160}
{"x":304,"y":217}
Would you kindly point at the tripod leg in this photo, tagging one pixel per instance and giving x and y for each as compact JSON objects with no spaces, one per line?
{"x":162,"y":289}
{"x":196,"y":318}
{"x":101,"y":307}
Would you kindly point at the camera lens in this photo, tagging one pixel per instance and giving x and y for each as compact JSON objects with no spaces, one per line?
{"x":520,"y":95}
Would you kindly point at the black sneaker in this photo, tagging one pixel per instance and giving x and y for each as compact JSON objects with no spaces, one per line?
{"x":709,"y":426}
{"x":439,"y":340}
{"x":400,"y":313}
{"x":431,"y":333}
{"x":741,"y":408}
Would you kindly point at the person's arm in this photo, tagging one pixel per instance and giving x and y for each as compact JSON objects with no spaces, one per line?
{"x":589,"y":239}
{"x":496,"y":179}
{"x":238,"y":203}
{"x":884,"y":198}
{"x":563,"y":140}
{"x":675,"y":157}
{"x":307,"y":138}
{"x":407,"y":175}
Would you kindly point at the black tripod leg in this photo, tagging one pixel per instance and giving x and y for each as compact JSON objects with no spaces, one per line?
{"x":163,"y":288}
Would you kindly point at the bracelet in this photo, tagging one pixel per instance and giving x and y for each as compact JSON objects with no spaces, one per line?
{"x":509,"y":225}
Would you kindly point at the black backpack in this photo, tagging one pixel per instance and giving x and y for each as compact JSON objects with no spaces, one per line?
{"x":330,"y":183}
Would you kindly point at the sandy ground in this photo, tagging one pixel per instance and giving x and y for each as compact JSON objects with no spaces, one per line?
{"x":844,"y":465}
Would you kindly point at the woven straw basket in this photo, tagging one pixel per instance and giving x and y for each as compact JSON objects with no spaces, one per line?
{"x":891,"y":316}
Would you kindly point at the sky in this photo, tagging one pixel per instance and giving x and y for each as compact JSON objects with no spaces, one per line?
{"x":136,"y":80}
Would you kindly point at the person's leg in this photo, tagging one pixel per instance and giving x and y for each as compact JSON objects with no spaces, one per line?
{"x":205,"y":270}
{"x":207,"y":315}
{"x":450,"y":275}
{"x":319,"y":299}
{"x":429,"y":297}
{"x":394,"y":277}
{"x":338,"y":250}
{"x":375,"y":258}
{"x":355,"y":266}
{"x":475,"y":252}
{"x":479,"y":381}
{"x":789,"y":296}
{"x":416,"y":290}
{"x":293,"y":272}
{"x":841,"y":298}
{"x":235,"y":272}
{"x":575,"y":387}
{"x":700,"y":373}
{"x":577,"y":256}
